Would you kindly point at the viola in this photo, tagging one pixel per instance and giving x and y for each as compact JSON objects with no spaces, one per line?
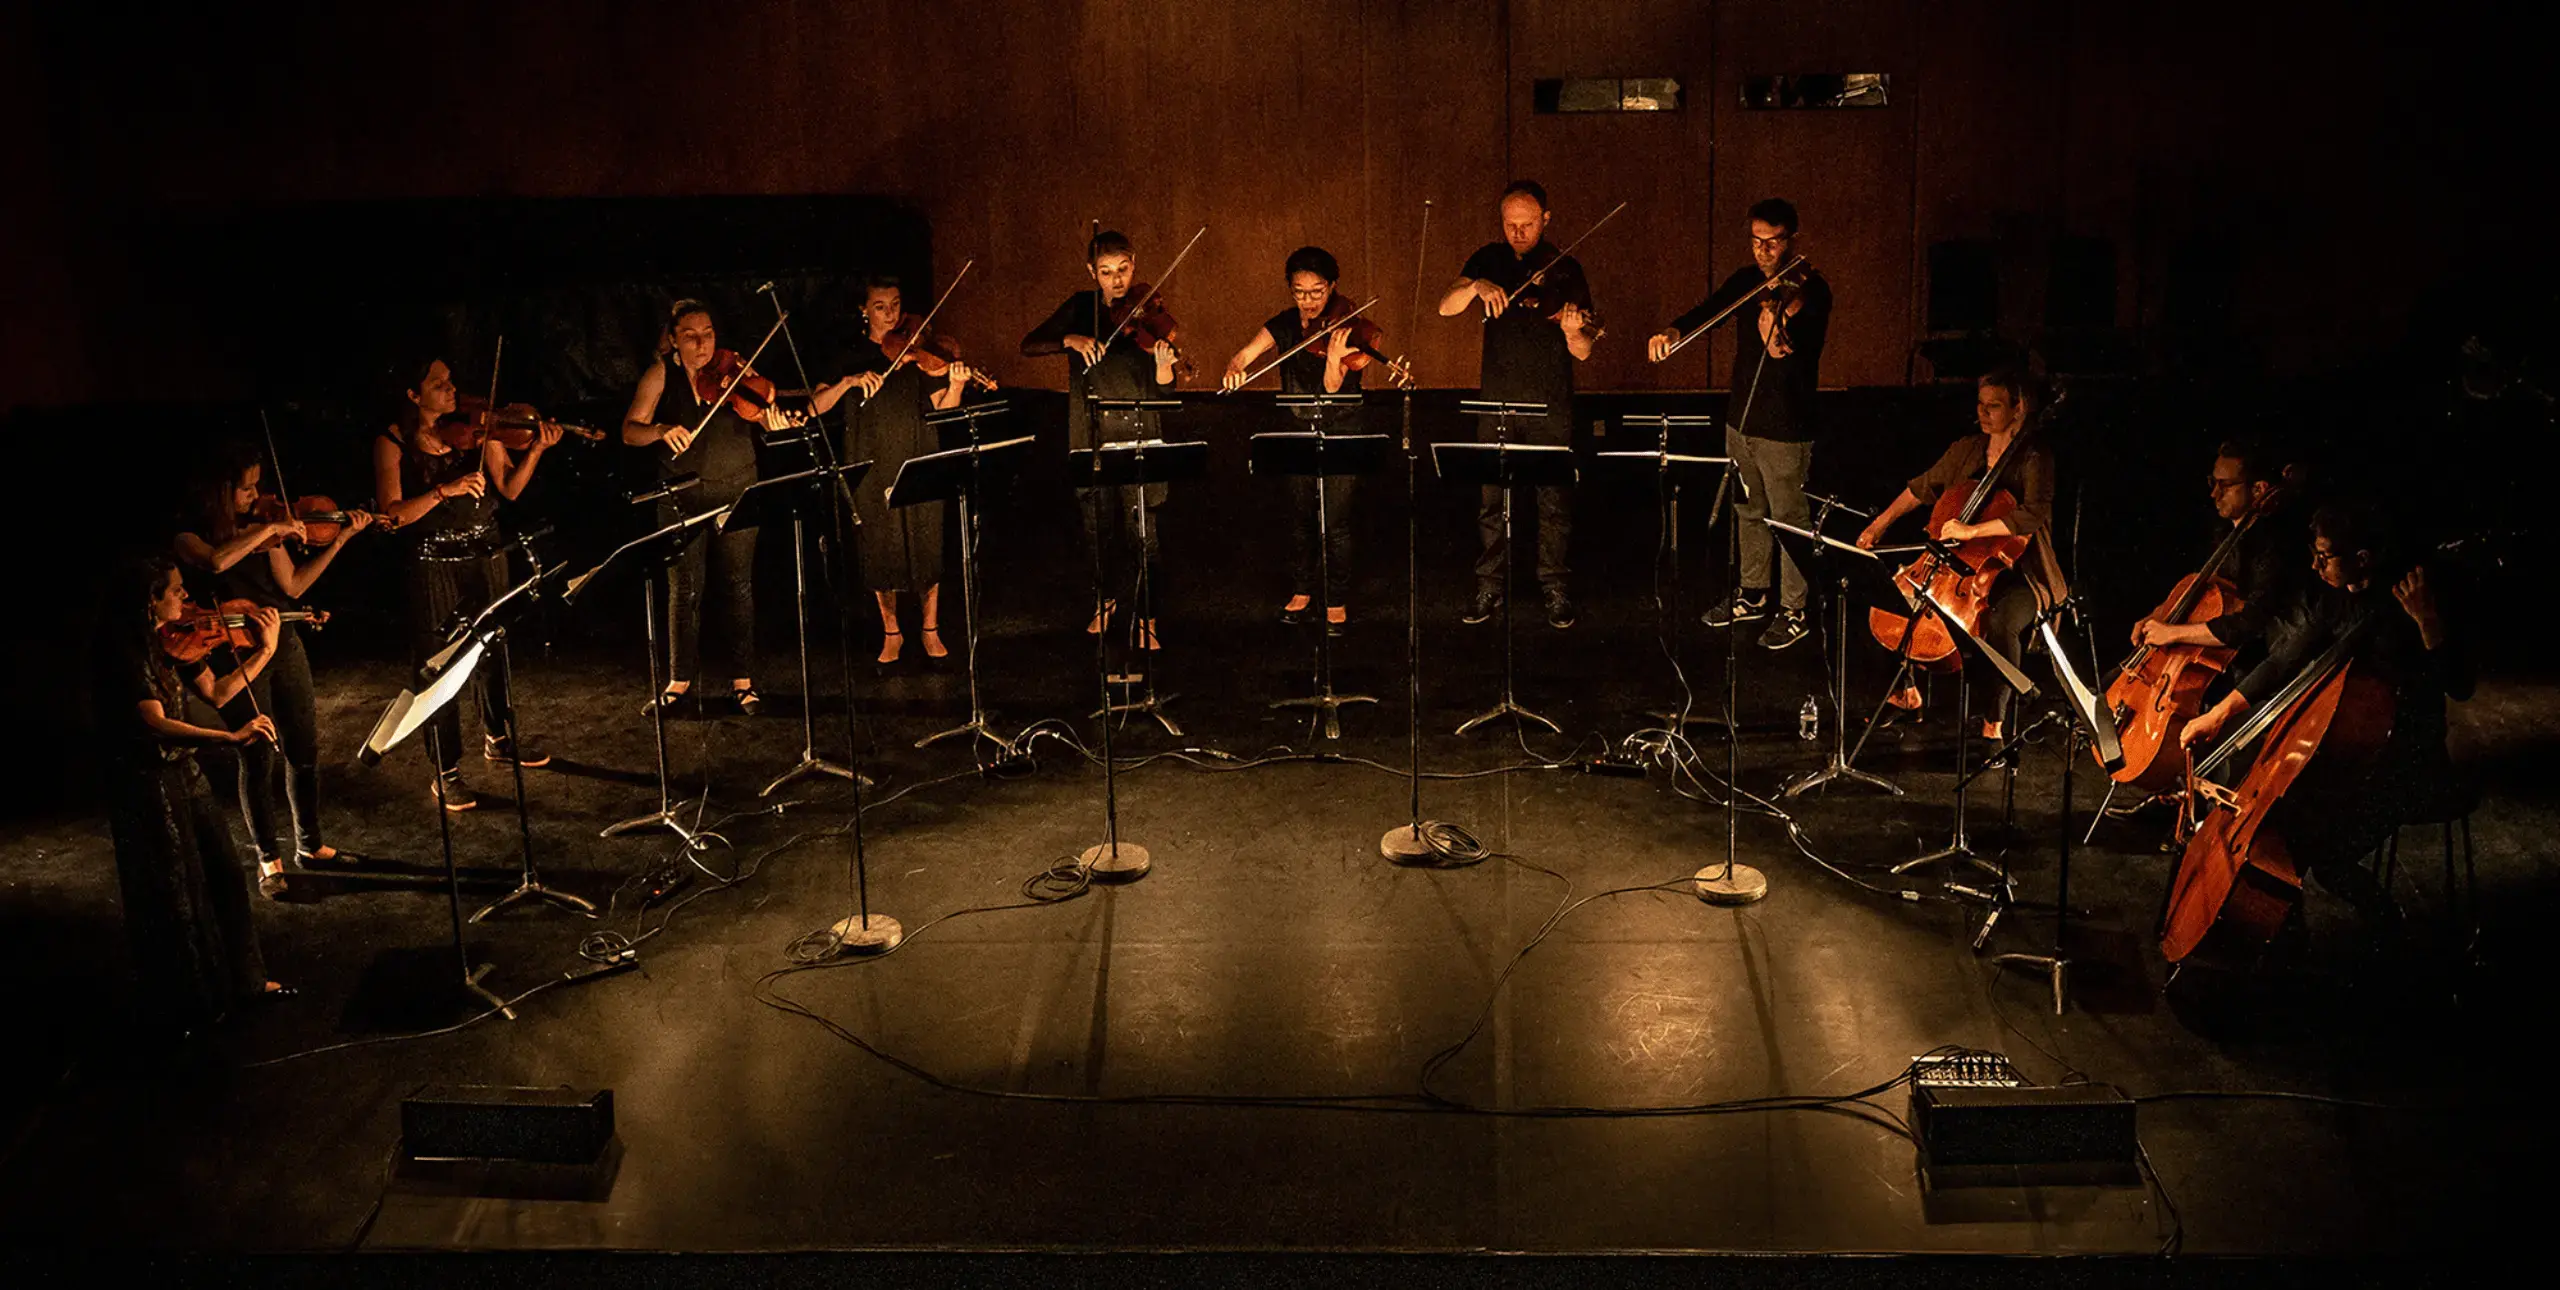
{"x":752,"y":398}
{"x":932,"y":352}
{"x":1544,"y":300}
{"x":516,"y":426}
{"x":1365,"y":338}
{"x":322,"y":519}
{"x":2158,"y":689}
{"x":1140,"y":315}
{"x":2237,"y":881}
{"x":198,"y":631}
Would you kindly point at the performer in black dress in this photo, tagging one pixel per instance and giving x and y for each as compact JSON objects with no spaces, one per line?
{"x":186,"y":893}
{"x":242,"y":558}
{"x":1080,"y":328}
{"x":901,"y":549}
{"x":1327,"y":367}
{"x":665,"y":408}
{"x":432,"y":480}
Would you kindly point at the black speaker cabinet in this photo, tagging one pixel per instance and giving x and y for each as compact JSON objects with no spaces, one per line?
{"x":2072,"y":1124}
{"x":472,"y":1122}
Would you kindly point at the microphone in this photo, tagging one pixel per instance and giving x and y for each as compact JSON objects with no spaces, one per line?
{"x":766,"y":289}
{"x":667,"y":487}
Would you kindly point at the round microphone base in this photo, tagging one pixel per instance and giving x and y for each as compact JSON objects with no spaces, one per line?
{"x":1730,"y":884}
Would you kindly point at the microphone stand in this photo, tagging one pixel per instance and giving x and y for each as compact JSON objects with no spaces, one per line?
{"x":1405,"y":843}
{"x":1731,"y":883}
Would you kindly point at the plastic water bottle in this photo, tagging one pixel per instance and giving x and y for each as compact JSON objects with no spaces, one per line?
{"x":1809,"y":720}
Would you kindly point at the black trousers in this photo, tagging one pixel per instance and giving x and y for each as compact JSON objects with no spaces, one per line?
{"x":2004,"y":626}
{"x":440,"y":588}
{"x":1336,"y":536}
{"x":283,"y":693}
{"x":1555,"y":535}
{"x":724,"y":565}
{"x":1110,"y":517}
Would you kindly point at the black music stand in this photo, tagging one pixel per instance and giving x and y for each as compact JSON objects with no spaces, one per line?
{"x":408,"y":712}
{"x":957,"y":474}
{"x":1969,"y":648}
{"x":2084,"y":716}
{"x":490,"y":626}
{"x":1668,"y":471}
{"x":1848,"y":574}
{"x":651,"y":554}
{"x":767,"y":501}
{"x":1136,"y":463}
{"x":1509,"y":467}
{"x":1318,"y":455}
{"x":1114,"y":465}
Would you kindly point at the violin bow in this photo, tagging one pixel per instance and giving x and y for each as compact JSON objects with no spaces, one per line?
{"x":1153,"y":291}
{"x":1541,"y":275}
{"x":1421,"y":261}
{"x":275,"y":460}
{"x":1768,"y":284}
{"x":746,"y":365}
{"x":1329,"y":329}
{"x":916,"y":337}
{"x":495,"y":355}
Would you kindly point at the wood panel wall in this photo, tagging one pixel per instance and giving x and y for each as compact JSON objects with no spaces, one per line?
{"x":1331,"y":121}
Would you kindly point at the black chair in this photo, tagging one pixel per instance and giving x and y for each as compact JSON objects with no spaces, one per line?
{"x":2449,"y":807}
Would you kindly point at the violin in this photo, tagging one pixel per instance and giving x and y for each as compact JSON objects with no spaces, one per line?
{"x":1544,"y":300}
{"x":516,"y":425}
{"x":1140,"y":314}
{"x":2237,"y":881}
{"x":322,"y":519}
{"x":752,"y":398}
{"x":2158,"y":689}
{"x":932,"y":352}
{"x":1365,"y":337}
{"x":198,"y":631}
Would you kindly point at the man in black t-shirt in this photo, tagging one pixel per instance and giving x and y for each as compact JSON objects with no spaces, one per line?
{"x":1777,"y":357}
{"x":1537,"y":324}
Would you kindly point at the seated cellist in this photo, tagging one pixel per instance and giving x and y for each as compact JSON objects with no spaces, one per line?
{"x":2245,"y":478}
{"x":2405,"y":641}
{"x":2005,"y":403}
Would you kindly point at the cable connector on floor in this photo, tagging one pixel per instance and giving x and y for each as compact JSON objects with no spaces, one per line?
{"x":626,"y":957}
{"x":1012,"y":765}
{"x":1613,"y":764}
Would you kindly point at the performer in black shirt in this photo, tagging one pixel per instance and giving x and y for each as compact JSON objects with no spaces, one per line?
{"x":901,"y":549}
{"x":2405,"y":640}
{"x":241,"y":558}
{"x":1321,"y":368}
{"x":437,"y":496}
{"x":1080,"y":327}
{"x":2262,"y":570}
{"x":1530,"y":347}
{"x":186,"y":894}
{"x":1769,"y":413}
{"x":665,"y":408}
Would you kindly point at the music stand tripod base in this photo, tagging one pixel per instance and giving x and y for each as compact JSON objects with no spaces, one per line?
{"x":659,"y":819}
{"x":812,"y":764}
{"x":1738,"y":884}
{"x":1116,"y":862}
{"x":2057,"y":971}
{"x":536,"y":891}
{"x":1330,"y":705}
{"x":867,"y":934}
{"x":485,"y":994}
{"x":1403,"y":844}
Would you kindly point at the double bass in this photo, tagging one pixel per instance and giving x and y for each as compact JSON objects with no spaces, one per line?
{"x":2159,"y":688}
{"x":1962,"y":584}
{"x":2238,"y":881}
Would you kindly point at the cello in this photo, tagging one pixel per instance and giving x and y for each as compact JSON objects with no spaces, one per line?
{"x":2238,"y":880}
{"x":1959,"y":579}
{"x":2159,"y":688}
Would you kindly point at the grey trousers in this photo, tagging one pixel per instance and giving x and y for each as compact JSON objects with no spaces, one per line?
{"x":1772,"y":475}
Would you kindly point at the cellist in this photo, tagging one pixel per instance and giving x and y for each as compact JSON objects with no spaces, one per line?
{"x":2244,"y":478}
{"x":2406,"y":642}
{"x":2006,"y":402}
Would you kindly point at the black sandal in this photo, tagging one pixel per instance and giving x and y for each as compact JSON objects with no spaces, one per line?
{"x":747,"y":699}
{"x":271,"y":880}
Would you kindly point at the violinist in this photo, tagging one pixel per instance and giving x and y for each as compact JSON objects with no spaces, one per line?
{"x":901,"y":549}
{"x":667,"y":405}
{"x":242,"y":557}
{"x":2006,"y":403}
{"x":2405,"y":641}
{"x":1769,"y":413}
{"x":186,"y":894}
{"x":1533,"y":335}
{"x":433,"y":480}
{"x":1105,"y":323}
{"x":1330,"y":366}
{"x":2244,"y":480}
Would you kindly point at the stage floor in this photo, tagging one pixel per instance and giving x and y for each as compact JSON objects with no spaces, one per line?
{"x":1226,"y":1054}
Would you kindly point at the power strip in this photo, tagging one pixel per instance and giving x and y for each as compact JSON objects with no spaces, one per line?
{"x":1965,"y":1070}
